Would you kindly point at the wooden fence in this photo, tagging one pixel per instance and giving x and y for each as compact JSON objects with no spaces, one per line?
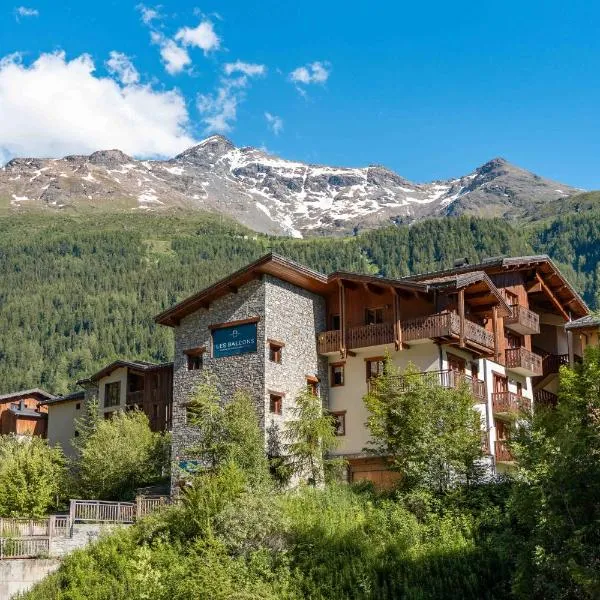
{"x":30,"y":538}
{"x":24,"y":547}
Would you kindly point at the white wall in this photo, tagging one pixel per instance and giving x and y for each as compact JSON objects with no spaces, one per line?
{"x":61,"y":423}
{"x":117,"y":375}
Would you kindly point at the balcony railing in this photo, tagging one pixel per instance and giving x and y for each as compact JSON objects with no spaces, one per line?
{"x":509,"y":403}
{"x":523,"y":362}
{"x":135,"y":398}
{"x":445,"y":379}
{"x":522,"y":320}
{"x":545,"y":398}
{"x":440,"y":325}
{"x":502,"y":451}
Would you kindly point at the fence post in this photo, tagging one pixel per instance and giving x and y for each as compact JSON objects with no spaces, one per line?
{"x":51,"y":525}
{"x":138,"y":507}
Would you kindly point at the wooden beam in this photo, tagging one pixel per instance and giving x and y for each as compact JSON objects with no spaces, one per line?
{"x":461,"y":314}
{"x":342,"y":303}
{"x":552,"y":297}
{"x":496,"y":333}
{"x":397,"y":324}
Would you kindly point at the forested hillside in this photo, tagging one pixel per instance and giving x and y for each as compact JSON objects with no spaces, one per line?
{"x":76,"y":292}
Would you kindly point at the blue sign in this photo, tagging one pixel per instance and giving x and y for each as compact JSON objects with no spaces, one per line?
{"x":231,"y":341}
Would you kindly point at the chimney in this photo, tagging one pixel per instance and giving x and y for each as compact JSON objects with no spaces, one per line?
{"x":21,"y":404}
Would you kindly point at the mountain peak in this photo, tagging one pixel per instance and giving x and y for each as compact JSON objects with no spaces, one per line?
{"x":109,"y":158}
{"x":213,"y":146}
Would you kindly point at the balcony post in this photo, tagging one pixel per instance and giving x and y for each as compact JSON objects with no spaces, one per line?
{"x":342,"y":300}
{"x":461,"y":314}
{"x":571,"y":349}
{"x":495,"y":329}
{"x":397,"y":324}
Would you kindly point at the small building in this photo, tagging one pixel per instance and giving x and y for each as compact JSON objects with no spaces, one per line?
{"x":63,"y":413}
{"x":585,"y":330}
{"x":129,"y":385}
{"x":23,"y":412}
{"x":275,"y":327}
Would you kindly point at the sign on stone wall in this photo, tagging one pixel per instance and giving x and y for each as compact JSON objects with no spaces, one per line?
{"x":234,"y":340}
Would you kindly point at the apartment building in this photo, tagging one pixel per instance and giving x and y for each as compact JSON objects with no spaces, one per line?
{"x":275,"y":327}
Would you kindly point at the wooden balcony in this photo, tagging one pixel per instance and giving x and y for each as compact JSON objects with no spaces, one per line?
{"x":523,"y":320}
{"x":446,"y":379}
{"x":544,"y":398}
{"x":502,"y":452}
{"x":443,"y":327}
{"x":509,"y":403}
{"x":523,"y":362}
{"x":551,"y":363}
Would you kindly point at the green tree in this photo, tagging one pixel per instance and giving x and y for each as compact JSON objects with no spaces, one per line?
{"x":431,"y":434}
{"x":556,"y":503}
{"x":120,"y":455}
{"x":310,"y":437}
{"x":228,"y":432}
{"x":32,"y":477}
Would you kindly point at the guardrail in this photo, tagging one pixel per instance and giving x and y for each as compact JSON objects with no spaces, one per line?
{"x":30,"y":547}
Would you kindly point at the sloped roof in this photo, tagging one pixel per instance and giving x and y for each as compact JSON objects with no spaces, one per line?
{"x":587,"y":322}
{"x":139,"y":365}
{"x":550,"y":273}
{"x":23,"y":393}
{"x":27,"y":412}
{"x":78,"y":395}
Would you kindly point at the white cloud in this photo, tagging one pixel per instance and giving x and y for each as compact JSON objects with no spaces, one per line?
{"x":274,"y":122}
{"x":219,"y":110}
{"x":24,"y":11}
{"x":55,"y":107}
{"x":316,"y":72}
{"x":203,"y":37}
{"x":148,"y":14}
{"x":175,"y":58}
{"x":120,"y":64}
{"x":249,"y":69}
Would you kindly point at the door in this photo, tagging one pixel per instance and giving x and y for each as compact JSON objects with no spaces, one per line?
{"x":500,"y":384}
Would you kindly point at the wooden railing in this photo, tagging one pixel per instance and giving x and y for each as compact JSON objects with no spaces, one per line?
{"x":144,"y":505}
{"x":509,"y":402}
{"x":24,"y":547}
{"x":24,"y":527}
{"x":521,"y":358}
{"x":102,"y":511}
{"x":545,"y":398}
{"x":551,"y":363}
{"x":432,"y":326}
{"x":99,"y":511}
{"x":439,"y":325}
{"x":502,"y":451}
{"x":364,"y":336}
{"x":329,"y":341}
{"x":523,"y":317}
{"x":446,"y":379}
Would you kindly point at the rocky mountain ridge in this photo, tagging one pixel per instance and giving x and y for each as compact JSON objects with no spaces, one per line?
{"x":267,"y":193}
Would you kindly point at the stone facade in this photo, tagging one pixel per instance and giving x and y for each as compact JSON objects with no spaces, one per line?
{"x":287,"y":314}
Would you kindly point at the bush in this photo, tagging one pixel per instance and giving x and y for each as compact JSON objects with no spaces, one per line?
{"x":32,"y":477}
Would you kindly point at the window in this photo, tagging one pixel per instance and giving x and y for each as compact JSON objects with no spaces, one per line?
{"x":78,"y":406}
{"x":519,"y":388}
{"x":375,"y":367}
{"x":373,"y":316}
{"x":514,"y":341}
{"x":275,"y":351}
{"x":275,"y":403}
{"x":511,"y":298}
{"x":339,"y":422}
{"x":337,"y":374}
{"x":135,"y":383}
{"x":312,"y":383}
{"x":336,"y":323}
{"x":195,"y":358}
{"x":112,"y":394}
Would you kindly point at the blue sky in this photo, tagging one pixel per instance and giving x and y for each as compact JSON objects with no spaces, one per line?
{"x":431,"y":90}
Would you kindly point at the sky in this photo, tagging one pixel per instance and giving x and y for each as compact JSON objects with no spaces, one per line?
{"x":429,"y":89}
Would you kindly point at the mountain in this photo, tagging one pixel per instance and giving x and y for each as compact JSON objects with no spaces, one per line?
{"x":267,"y":193}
